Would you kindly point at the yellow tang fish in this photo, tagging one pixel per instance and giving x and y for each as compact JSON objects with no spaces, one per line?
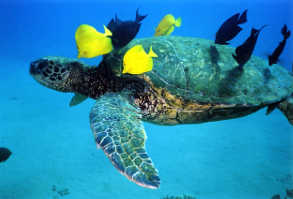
{"x":91,"y":43}
{"x":167,"y":24}
{"x":137,"y":61}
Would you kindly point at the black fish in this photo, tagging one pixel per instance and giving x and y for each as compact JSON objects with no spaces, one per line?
{"x":4,"y":154}
{"x":244,"y":51}
{"x":273,"y":59}
{"x":124,"y":31}
{"x":230,"y":28}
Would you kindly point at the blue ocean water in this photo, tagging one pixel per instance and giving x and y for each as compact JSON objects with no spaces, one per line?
{"x":54,"y":154}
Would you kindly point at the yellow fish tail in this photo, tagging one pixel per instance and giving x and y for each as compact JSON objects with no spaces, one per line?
{"x":152,"y":53}
{"x":107,"y":31}
{"x":178,"y":22}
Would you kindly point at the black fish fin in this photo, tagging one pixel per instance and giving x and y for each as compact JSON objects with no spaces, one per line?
{"x":254,"y":30}
{"x":288,"y":34}
{"x":284,"y":30}
{"x":271,"y":61}
{"x":111,"y":25}
{"x":243,"y":17}
{"x":139,"y":18}
{"x":117,"y":20}
{"x":236,"y":58}
{"x":233,"y":19}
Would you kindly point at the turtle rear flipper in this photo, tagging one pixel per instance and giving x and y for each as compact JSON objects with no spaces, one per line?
{"x":119,"y":131}
{"x":287,"y":108}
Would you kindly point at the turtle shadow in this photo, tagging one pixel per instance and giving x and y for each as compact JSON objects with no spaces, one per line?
{"x":215,"y":69}
{"x":215,"y":57}
{"x":267,"y":75}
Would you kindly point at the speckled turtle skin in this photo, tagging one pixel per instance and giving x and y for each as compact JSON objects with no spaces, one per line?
{"x":195,"y":80}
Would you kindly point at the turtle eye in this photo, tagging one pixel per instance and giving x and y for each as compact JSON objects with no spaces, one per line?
{"x":39,"y":67}
{"x":42,"y":65}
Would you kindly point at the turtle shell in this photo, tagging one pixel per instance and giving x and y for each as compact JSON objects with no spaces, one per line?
{"x":197,"y":69}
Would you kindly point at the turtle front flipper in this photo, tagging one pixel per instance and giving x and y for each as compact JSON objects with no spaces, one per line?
{"x":119,"y":131}
{"x":77,"y":99}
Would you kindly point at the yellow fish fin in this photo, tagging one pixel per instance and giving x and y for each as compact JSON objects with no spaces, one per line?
{"x":107,"y":31}
{"x":178,"y":22}
{"x":170,"y":30}
{"x":152,"y":53}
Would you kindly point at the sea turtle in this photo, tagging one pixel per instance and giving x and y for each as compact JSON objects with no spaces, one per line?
{"x":193,"y":81}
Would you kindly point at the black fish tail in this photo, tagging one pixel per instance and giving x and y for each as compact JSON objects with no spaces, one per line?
{"x":285,"y":32}
{"x":284,"y":29}
{"x":139,"y":18}
{"x":243,"y":17}
{"x":288,"y":34}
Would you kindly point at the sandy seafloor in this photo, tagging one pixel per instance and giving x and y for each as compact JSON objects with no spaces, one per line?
{"x":52,"y":144}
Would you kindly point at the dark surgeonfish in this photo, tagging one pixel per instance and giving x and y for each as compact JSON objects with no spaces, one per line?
{"x":273,"y":59}
{"x":124,"y":31}
{"x":230,"y":28}
{"x":4,"y":154}
{"x":244,"y":51}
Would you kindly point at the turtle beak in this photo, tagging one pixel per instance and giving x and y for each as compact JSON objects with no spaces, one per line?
{"x":34,"y":69}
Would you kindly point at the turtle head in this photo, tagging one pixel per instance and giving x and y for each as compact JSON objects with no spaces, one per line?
{"x":56,"y":72}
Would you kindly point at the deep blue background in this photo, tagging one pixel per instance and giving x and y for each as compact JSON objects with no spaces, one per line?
{"x":31,"y":29}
